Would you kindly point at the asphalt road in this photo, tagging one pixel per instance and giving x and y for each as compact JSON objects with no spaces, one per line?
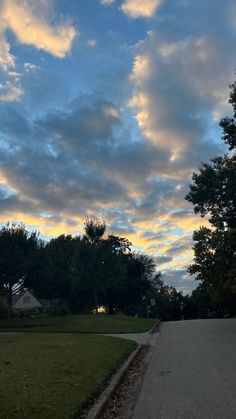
{"x":192,"y":372}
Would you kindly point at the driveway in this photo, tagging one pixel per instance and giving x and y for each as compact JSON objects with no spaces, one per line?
{"x":192,"y":372}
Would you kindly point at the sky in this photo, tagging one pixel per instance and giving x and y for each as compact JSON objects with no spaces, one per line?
{"x":107,"y":107}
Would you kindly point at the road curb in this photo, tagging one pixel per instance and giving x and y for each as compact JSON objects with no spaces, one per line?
{"x":97,"y":409}
{"x":155,"y":327}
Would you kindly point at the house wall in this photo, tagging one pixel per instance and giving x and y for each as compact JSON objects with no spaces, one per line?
{"x":27,"y":301}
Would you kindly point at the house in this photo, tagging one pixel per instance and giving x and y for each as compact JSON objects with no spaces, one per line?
{"x":26,"y":301}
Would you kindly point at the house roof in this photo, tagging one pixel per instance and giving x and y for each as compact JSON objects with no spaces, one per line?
{"x":44,"y":302}
{"x":16,"y":298}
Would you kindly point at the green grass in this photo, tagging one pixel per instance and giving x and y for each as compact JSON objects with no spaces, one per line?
{"x":44,"y":376}
{"x":55,"y":375}
{"x":79,"y":324}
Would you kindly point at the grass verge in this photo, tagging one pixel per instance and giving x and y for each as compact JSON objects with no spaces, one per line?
{"x":44,"y":376}
{"x":79,"y":324}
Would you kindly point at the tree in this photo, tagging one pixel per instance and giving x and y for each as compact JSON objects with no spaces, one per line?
{"x":119,"y":245}
{"x":94,"y":229}
{"x":213,"y":194}
{"x":199,"y":304}
{"x":106,"y":268}
{"x":213,"y":258}
{"x":18,"y":248}
{"x":98,"y":266}
{"x":169,"y":302}
{"x":81,"y":271}
{"x":54,"y":281}
{"x":213,"y":191}
{"x":117,"y":249}
{"x":139,"y":271}
{"x":88,"y":262}
{"x":228,"y":124}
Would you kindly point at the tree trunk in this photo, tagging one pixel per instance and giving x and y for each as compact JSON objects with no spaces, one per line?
{"x":111,"y":310}
{"x":9,"y":303}
{"x":96,"y":301}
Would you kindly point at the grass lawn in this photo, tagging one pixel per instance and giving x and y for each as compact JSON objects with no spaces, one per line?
{"x":79,"y":324}
{"x":44,"y":376}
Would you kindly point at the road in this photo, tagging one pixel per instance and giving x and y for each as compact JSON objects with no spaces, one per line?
{"x":192,"y":372}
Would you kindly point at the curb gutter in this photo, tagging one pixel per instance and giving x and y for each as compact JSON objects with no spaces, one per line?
{"x":155,"y":327}
{"x":96,"y":411}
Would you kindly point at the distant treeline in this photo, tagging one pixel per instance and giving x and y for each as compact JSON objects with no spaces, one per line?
{"x":84,"y":272}
{"x":79,"y":274}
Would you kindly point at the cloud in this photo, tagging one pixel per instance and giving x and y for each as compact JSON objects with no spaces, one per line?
{"x":140,"y":72}
{"x":15,"y":75}
{"x":68,"y":162}
{"x":7,"y":60}
{"x":44,"y":90}
{"x":31,"y":29}
{"x":127,"y":149}
{"x":89,"y":119}
{"x":180,"y":87}
{"x":31,"y":25}
{"x":141,"y":8}
{"x":10,"y":93}
{"x":179,"y":279}
{"x":107,"y":2}
{"x":160,"y":260}
{"x":53,"y":159}
{"x":179,"y":245}
{"x":92,"y":43}
{"x":30,"y":67}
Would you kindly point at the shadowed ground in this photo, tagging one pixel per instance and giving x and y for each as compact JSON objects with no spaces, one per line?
{"x":192,"y":373}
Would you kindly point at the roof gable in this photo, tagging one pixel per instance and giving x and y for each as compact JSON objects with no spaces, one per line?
{"x":27,"y":300}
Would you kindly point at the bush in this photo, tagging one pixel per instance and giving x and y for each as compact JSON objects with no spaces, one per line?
{"x":60,"y":309}
{"x":18,"y":313}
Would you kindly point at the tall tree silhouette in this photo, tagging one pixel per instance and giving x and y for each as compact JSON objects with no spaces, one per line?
{"x":94,"y":231}
{"x":18,"y":248}
{"x":213,"y":194}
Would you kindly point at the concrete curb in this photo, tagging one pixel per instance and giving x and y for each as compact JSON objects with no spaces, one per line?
{"x":97,"y":409}
{"x":155,"y":326}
